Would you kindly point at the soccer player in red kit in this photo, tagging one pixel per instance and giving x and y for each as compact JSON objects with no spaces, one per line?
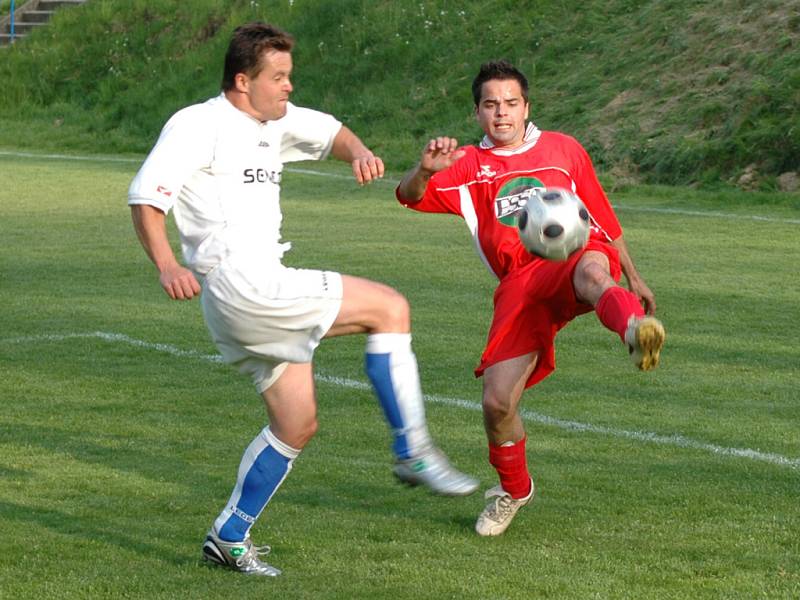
{"x":535,"y":298}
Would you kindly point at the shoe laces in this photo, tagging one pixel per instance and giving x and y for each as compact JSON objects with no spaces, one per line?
{"x":503,"y":506}
{"x":250,"y":558}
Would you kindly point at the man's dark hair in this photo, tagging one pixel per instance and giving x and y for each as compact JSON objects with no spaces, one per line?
{"x":498,"y":69}
{"x":246,"y":50}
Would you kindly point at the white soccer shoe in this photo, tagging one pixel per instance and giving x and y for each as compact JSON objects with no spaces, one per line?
{"x":433,"y":470}
{"x":645,"y":338}
{"x":499,"y":513}
{"x":238,"y":556}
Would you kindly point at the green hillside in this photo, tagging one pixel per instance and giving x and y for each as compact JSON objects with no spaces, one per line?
{"x":661,"y":91}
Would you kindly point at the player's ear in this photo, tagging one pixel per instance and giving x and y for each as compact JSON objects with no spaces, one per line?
{"x":241,"y":82}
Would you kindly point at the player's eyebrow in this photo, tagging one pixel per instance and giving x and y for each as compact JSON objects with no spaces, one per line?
{"x":497,"y":99}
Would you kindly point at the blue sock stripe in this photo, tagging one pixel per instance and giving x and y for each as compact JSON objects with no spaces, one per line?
{"x":378,"y":369}
{"x":242,"y":515}
{"x":262,"y":480}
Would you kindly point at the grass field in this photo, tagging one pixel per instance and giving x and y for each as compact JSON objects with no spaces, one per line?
{"x":120,"y":434}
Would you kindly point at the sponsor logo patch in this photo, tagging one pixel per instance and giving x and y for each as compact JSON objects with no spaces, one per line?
{"x":513,"y":197}
{"x":261,"y":176}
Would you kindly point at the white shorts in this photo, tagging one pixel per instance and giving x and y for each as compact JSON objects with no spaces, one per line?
{"x":265,"y":318}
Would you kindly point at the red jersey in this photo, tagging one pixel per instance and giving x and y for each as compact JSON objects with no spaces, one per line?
{"x":474,"y":188}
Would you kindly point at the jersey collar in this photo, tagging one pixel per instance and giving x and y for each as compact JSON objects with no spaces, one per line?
{"x":529,"y":140}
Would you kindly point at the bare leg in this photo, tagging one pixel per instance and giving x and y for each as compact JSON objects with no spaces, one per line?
{"x":504,"y":384}
{"x":592,"y":278}
{"x":370,"y":307}
{"x":292,"y":406}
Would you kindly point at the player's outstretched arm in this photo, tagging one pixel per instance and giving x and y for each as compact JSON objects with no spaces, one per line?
{"x":349,"y":148}
{"x":438,"y":154}
{"x":635,"y":281}
{"x":150,"y":224}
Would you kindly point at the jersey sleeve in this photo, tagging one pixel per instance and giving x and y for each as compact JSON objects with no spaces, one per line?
{"x":591,"y":192}
{"x":307,"y":134}
{"x":444,"y":191}
{"x":184,"y":146}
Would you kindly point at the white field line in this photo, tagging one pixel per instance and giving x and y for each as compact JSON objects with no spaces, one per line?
{"x":700,"y":213}
{"x":531,"y":416}
{"x":98,"y":158}
{"x":393,"y":183}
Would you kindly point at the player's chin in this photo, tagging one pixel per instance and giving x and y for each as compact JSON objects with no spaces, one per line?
{"x":503,"y":136}
{"x":280,"y":111}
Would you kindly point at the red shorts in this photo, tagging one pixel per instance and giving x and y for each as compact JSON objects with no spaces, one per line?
{"x":532,"y":304}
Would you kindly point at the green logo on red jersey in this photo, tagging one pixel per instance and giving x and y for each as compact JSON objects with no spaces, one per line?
{"x":512,"y":197}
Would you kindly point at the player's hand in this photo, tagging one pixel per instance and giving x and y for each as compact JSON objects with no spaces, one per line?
{"x":646,"y":297}
{"x":367,"y":168}
{"x":439,"y":154}
{"x":179,"y":283}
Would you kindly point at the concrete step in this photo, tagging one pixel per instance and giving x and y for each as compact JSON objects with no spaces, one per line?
{"x":5,"y":38}
{"x":27,"y":26}
{"x":52,"y":5}
{"x":30,"y":20}
{"x":36,"y":16}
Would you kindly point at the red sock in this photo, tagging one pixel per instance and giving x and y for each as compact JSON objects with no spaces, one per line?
{"x":512,"y":467}
{"x":615,"y":307}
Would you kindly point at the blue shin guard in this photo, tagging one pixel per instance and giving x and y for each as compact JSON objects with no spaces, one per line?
{"x":265,"y":464}
{"x":392,"y":368}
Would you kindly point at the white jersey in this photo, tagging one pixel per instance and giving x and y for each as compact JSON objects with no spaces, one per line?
{"x":219,"y":170}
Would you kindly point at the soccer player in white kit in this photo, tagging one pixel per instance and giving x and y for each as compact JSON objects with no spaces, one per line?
{"x":217,"y":166}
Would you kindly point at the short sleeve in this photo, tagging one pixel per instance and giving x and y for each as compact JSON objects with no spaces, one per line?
{"x":591,"y":192}
{"x":185,"y":145}
{"x":307,"y":134}
{"x":444,"y":191}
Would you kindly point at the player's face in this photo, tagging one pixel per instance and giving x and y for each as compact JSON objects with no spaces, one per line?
{"x":502,"y":112}
{"x":267,"y":94}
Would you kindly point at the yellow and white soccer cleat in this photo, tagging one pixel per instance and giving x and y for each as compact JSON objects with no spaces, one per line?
{"x":645,"y":338}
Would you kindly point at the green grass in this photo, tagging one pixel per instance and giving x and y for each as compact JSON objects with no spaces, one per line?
{"x":115,"y":457}
{"x":672,"y":92}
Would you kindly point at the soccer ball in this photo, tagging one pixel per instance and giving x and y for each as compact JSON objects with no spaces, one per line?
{"x":553,"y":224}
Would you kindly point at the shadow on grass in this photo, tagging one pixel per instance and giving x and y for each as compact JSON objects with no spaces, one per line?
{"x":92,"y":529}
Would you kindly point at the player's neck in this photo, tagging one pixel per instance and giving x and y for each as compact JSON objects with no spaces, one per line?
{"x":242,"y":102}
{"x":506,"y":145}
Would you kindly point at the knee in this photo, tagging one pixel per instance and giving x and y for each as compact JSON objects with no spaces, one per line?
{"x":497,"y":407}
{"x":590,"y":280}
{"x":310,"y":430}
{"x":298,"y":432}
{"x":304,"y":432}
{"x":396,"y":312}
{"x":591,"y":274}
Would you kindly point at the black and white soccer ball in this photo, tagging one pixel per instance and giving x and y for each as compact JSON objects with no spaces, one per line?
{"x":554,"y":223}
